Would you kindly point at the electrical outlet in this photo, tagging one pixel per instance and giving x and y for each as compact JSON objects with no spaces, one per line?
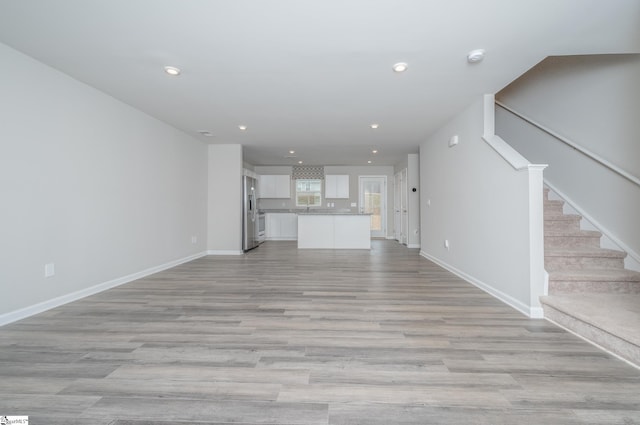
{"x":49,"y":270}
{"x":194,"y":239}
{"x":446,"y":244}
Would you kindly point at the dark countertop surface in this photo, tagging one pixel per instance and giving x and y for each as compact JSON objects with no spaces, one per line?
{"x":312,"y":211}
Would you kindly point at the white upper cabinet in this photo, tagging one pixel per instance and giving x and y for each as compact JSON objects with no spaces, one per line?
{"x":336,"y":186}
{"x":274,"y":186}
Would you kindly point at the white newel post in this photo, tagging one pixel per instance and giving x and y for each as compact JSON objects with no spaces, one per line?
{"x":537,"y":272}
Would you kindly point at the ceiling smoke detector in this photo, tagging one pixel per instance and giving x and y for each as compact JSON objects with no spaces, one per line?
{"x":475,"y":55}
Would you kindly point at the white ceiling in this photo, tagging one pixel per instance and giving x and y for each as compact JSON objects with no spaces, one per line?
{"x":310,"y":75}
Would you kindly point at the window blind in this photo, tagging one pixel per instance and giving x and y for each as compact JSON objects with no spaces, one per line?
{"x":307,"y":172}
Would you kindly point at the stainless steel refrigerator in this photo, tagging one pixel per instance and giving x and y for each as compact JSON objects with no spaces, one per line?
{"x":250,"y":214}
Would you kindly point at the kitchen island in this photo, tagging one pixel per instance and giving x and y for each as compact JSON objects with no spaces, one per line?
{"x":318,"y":230}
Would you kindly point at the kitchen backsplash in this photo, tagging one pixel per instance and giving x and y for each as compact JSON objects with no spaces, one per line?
{"x":288,"y":204}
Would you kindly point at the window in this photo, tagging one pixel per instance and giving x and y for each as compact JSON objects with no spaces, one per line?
{"x":308,"y":192}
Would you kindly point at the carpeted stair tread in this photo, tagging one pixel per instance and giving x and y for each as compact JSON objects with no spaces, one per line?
{"x":584,"y":252}
{"x":561,"y":217}
{"x":618,"y":314}
{"x":553,"y":205}
{"x":595,"y":275}
{"x":573,"y":233}
{"x":590,"y":291}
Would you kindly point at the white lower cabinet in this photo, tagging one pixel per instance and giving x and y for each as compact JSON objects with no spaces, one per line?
{"x":334,"y":231}
{"x":281,"y":226}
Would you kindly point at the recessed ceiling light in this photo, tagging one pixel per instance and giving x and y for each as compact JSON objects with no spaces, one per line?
{"x":369,"y":162}
{"x":299,"y":162}
{"x":400,"y":67}
{"x":374,"y":151}
{"x":292,"y":152}
{"x":206,"y":133}
{"x":242,"y":127}
{"x":172,"y":70}
{"x":374,"y":126}
{"x":475,"y":55}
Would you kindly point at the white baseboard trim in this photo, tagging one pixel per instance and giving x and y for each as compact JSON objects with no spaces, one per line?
{"x":43,"y":306}
{"x":413,"y":245}
{"x":530,"y":311}
{"x":224,"y":252}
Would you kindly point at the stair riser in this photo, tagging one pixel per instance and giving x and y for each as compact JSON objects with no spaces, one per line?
{"x":616,"y":345}
{"x":567,"y":287}
{"x":581,"y":263}
{"x":553,"y":208}
{"x":567,"y":225}
{"x":551,"y":242}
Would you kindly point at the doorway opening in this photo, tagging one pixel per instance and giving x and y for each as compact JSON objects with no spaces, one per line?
{"x":373,"y":200}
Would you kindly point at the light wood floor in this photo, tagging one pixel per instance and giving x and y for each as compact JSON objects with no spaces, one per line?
{"x":281,"y":336}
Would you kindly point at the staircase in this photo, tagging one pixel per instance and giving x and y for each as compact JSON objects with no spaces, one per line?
{"x":590,"y":291}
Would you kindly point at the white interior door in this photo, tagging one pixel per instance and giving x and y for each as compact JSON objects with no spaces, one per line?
{"x":373,"y":200}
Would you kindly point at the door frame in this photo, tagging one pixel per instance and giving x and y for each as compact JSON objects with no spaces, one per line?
{"x":383,"y":201}
{"x":397,"y":227}
{"x":404,"y":206}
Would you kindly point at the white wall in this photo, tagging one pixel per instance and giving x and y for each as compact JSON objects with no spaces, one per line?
{"x":594,"y":101}
{"x":225,"y":199}
{"x":470,"y":196}
{"x":591,"y":100}
{"x":90,"y":184}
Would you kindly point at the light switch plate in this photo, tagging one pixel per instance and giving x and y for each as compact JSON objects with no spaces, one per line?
{"x":353,"y":204}
{"x":49,"y":270}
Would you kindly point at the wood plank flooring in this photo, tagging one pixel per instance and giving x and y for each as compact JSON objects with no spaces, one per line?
{"x":281,"y":336}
